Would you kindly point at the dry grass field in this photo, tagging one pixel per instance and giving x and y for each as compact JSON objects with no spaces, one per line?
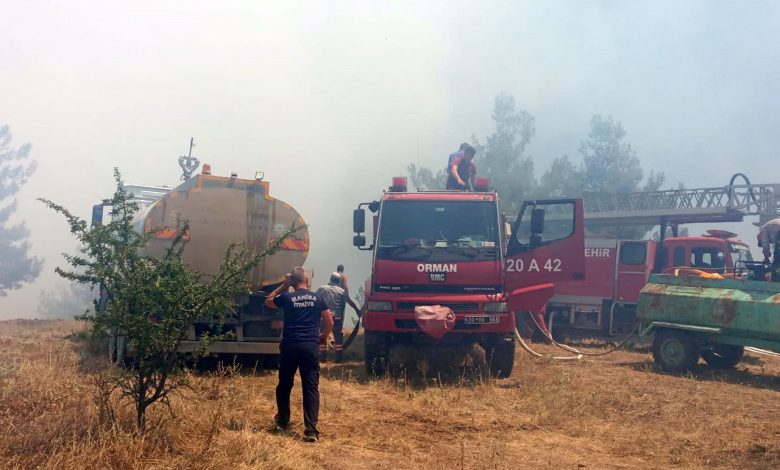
{"x":615,"y":411}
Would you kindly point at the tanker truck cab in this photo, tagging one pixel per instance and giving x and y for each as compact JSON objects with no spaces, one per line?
{"x":452,"y":249}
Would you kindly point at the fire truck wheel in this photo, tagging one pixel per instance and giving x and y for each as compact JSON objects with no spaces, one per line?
{"x":375,"y":353}
{"x":723,"y":356}
{"x":501,"y":357}
{"x":675,"y":351}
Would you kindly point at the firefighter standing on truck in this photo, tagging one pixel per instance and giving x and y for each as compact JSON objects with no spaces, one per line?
{"x":303,"y":312}
{"x":769,"y":241}
{"x":336,"y":298}
{"x":461,"y":169}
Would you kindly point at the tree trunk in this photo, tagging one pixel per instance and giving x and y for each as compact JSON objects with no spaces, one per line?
{"x":141,"y":417}
{"x":141,"y":403}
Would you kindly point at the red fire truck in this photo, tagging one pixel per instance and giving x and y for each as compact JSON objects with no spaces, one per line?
{"x":453,"y":249}
{"x":615,"y":271}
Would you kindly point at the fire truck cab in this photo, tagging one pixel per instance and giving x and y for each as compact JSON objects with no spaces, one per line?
{"x":604,"y":302}
{"x":454,"y":249}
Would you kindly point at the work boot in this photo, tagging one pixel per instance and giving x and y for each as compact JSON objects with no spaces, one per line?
{"x":310,"y":436}
{"x":280,"y":425}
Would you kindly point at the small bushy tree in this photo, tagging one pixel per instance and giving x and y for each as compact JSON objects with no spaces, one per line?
{"x":151,"y":301}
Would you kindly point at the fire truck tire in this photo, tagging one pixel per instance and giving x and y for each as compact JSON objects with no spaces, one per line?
{"x":675,"y":351}
{"x":376,"y":353}
{"x":723,"y":356}
{"x":500,"y":356}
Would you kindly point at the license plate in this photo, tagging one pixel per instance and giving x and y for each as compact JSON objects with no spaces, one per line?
{"x":482,"y":320}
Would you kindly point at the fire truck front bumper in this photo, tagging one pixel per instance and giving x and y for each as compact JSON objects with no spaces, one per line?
{"x":465,"y":323}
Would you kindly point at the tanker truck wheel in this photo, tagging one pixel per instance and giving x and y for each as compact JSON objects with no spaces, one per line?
{"x":500,"y":355}
{"x":376,"y":353}
{"x":675,"y":351}
{"x":723,"y":356}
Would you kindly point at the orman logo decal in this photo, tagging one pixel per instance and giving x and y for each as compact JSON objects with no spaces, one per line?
{"x":437,"y":268}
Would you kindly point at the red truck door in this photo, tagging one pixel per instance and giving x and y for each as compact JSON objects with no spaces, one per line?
{"x":634,"y":263}
{"x":547,"y":245}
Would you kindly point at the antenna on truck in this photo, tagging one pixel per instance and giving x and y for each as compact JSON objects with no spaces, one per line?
{"x":188,"y":163}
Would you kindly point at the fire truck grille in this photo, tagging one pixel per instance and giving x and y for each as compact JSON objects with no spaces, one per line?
{"x":456,"y":307}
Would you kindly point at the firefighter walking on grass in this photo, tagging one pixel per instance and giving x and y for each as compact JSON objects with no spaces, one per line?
{"x":303,"y":312}
{"x":336,"y":298}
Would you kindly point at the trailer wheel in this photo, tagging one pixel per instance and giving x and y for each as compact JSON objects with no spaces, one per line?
{"x":675,"y":351}
{"x":376,"y":353}
{"x":723,"y":356}
{"x":500,"y":355}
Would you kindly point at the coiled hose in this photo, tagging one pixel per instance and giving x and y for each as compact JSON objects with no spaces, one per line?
{"x":579,"y":354}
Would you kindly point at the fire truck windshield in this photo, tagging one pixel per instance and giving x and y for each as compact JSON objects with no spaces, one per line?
{"x":438,"y":231}
{"x":739,"y":253}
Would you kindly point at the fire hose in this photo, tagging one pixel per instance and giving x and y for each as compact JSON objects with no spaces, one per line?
{"x":762,"y":351}
{"x":579,"y":354}
{"x":355,"y":330}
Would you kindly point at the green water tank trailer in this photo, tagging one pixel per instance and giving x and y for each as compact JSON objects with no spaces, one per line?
{"x":715,"y":319}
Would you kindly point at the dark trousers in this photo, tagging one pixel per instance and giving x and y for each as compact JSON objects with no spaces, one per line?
{"x":303,"y":356}
{"x":452,"y":184}
{"x":338,"y":334}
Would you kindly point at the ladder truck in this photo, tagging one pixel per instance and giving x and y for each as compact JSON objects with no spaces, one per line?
{"x":604,"y":302}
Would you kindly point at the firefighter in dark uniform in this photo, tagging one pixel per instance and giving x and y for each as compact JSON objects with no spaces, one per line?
{"x":304,"y":310}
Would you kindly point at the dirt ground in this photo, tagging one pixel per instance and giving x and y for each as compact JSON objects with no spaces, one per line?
{"x":616,"y":411}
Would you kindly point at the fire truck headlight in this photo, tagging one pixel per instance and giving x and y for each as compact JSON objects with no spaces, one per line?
{"x":496,"y":307}
{"x":379,"y":306}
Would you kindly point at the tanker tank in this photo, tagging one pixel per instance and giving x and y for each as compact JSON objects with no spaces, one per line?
{"x":224,"y":210}
{"x":220,"y":211}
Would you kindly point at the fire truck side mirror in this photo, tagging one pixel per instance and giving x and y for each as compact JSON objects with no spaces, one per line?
{"x":359,"y":221}
{"x":359,"y":241}
{"x":537,"y":221}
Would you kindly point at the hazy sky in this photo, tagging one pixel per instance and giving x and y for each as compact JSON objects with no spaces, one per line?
{"x":331,"y":99}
